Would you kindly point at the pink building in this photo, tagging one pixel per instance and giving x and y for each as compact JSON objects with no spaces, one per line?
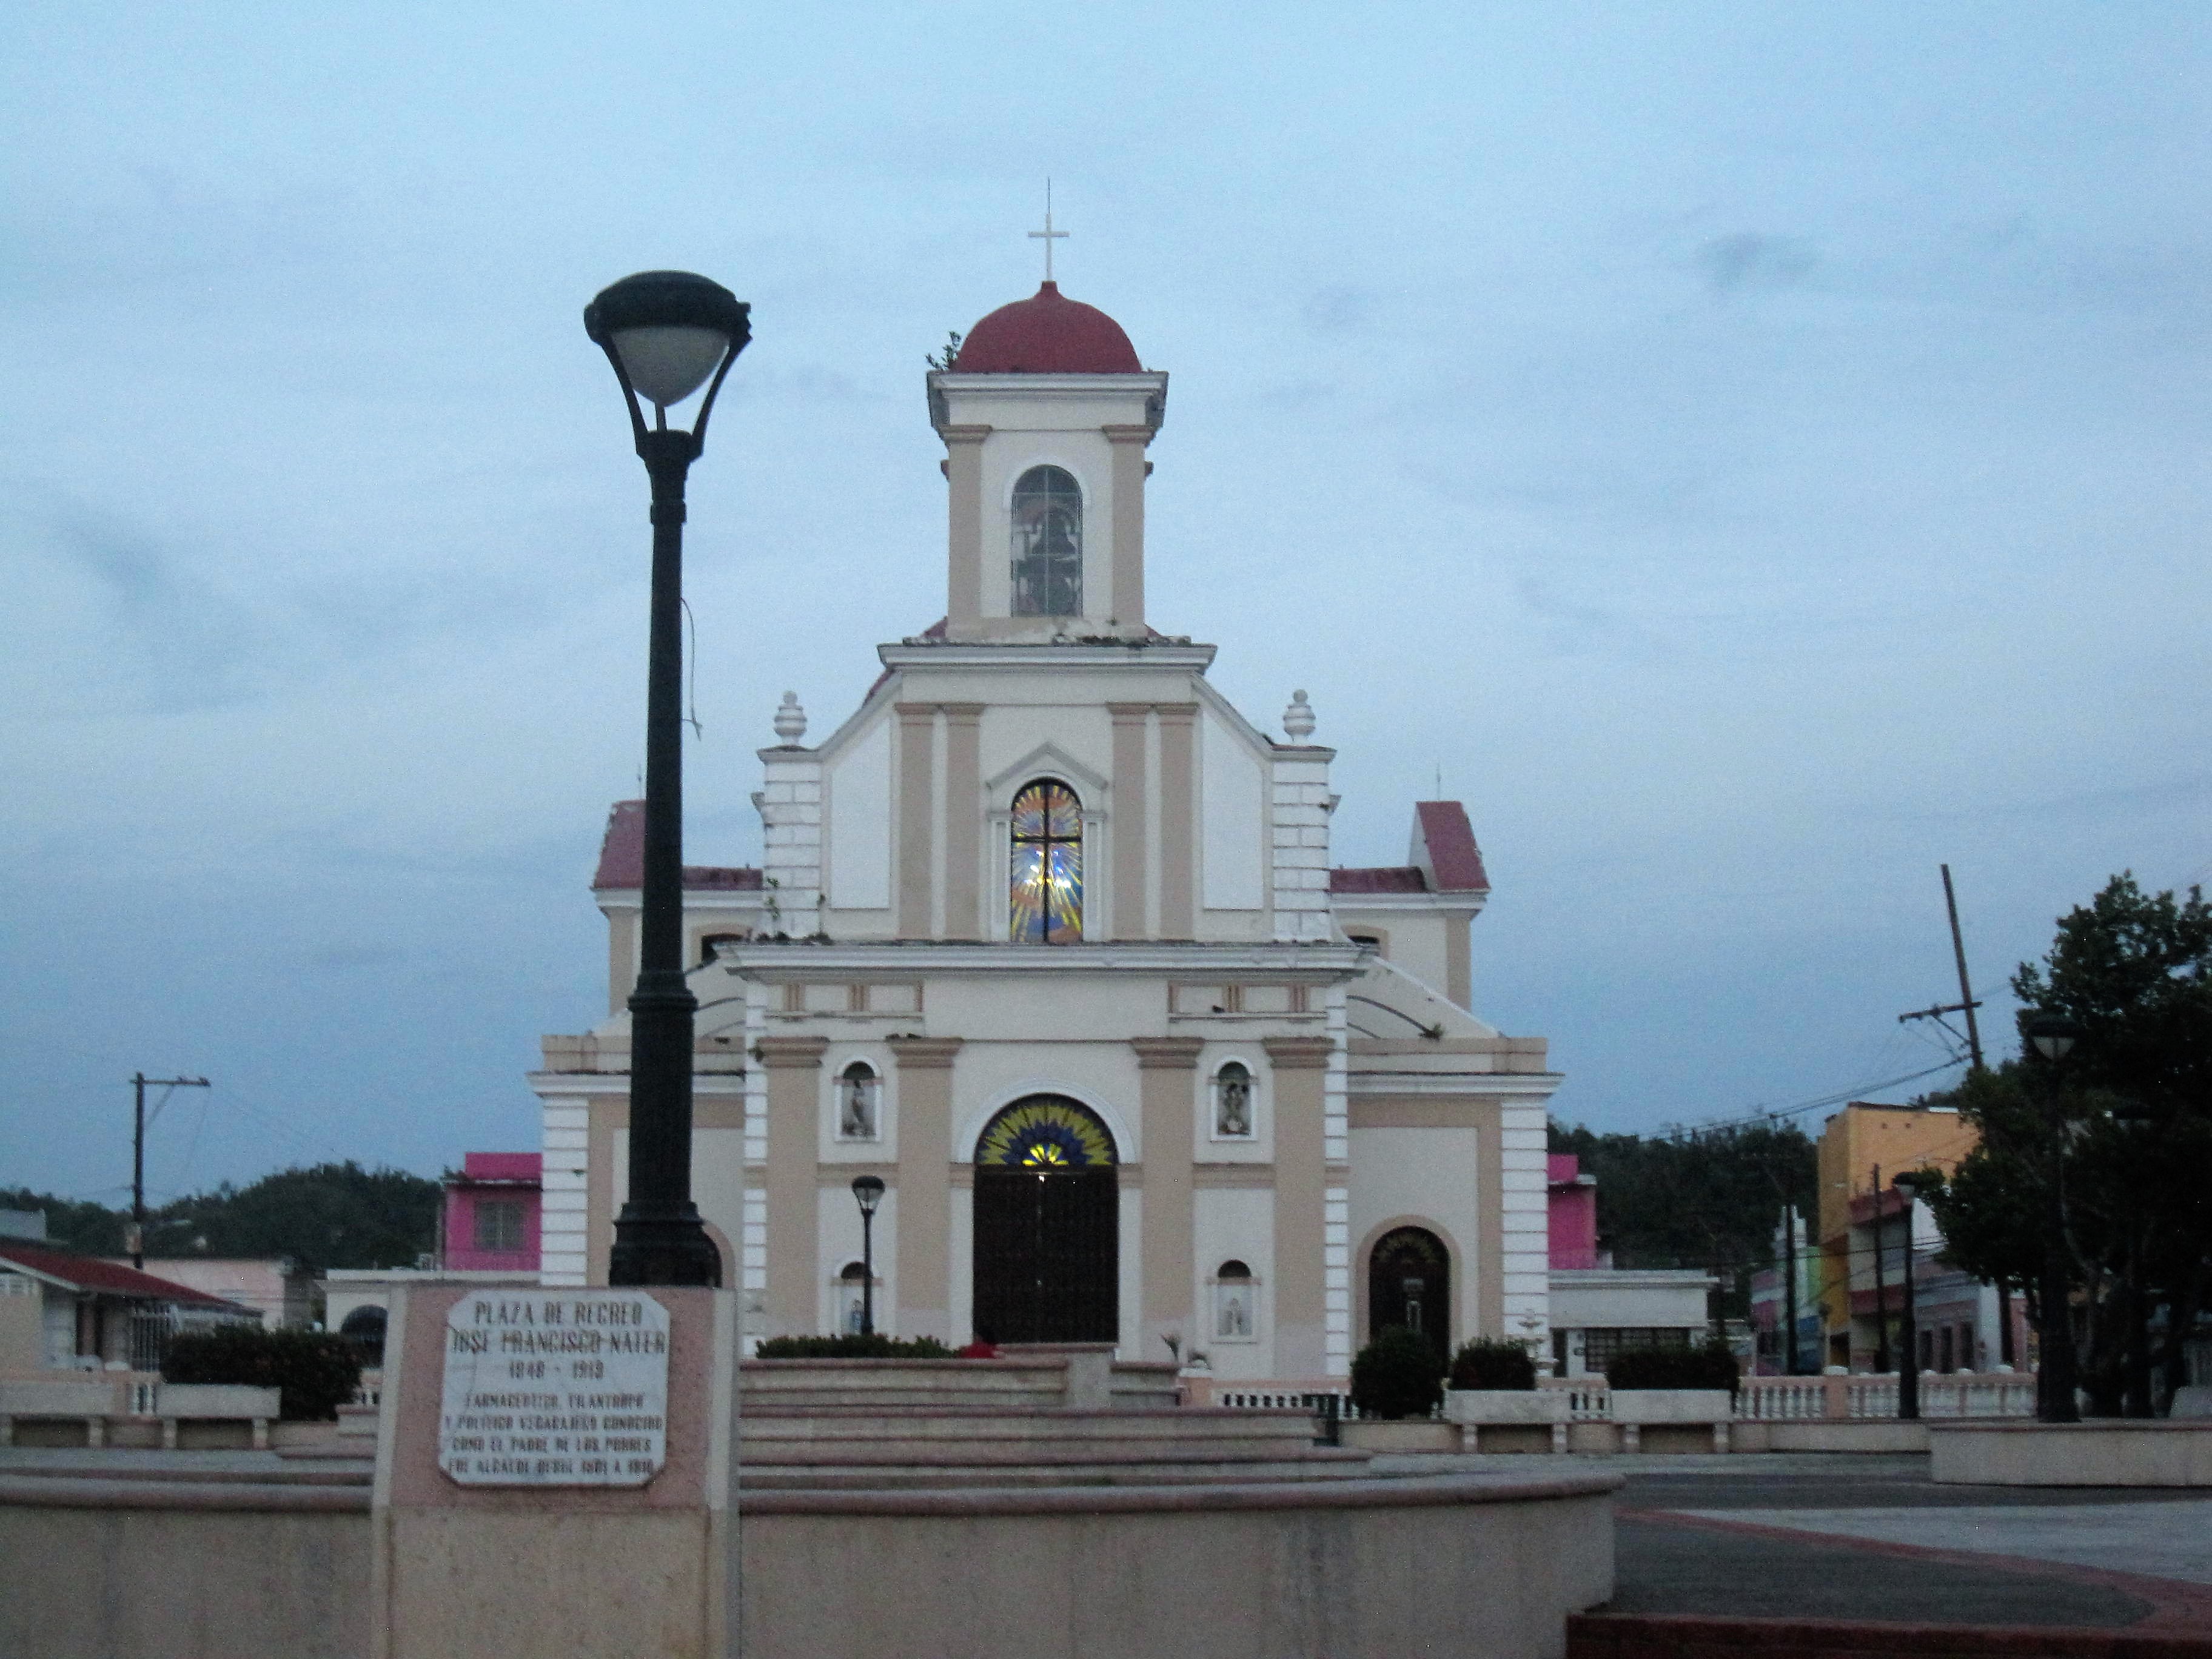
{"x":491,"y":1220}
{"x":1574,"y":1213}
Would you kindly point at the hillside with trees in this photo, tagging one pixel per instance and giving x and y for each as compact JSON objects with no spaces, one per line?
{"x":331,"y":1215}
{"x":1706,"y":1197}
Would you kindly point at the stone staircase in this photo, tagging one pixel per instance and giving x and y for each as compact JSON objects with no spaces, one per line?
{"x":1040,"y":1415}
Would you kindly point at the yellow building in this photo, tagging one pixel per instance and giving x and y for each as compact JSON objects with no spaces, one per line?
{"x":1863,"y":1149}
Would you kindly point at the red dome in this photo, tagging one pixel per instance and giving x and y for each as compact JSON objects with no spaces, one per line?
{"x":1047,"y":334}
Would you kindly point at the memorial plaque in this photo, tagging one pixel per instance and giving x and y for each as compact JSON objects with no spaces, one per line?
{"x":546,"y":1388}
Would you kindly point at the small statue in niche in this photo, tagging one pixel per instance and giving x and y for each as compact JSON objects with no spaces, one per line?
{"x":1236,"y":1315}
{"x":856,"y":1116}
{"x":1233,"y":1112}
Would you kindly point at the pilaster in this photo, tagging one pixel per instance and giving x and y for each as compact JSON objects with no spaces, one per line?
{"x":1131,"y":720}
{"x":793,"y":1066}
{"x":1167,"y":1084}
{"x":917,"y":819}
{"x":925,"y":1201}
{"x":963,"y":820}
{"x":1178,"y":840}
{"x":963,"y":476}
{"x":1129,"y":467}
{"x":1303,"y":1254}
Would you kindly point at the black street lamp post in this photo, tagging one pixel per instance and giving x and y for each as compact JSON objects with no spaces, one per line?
{"x":868,"y":1192}
{"x":1908,"y":1186}
{"x":2052,"y":1036}
{"x":667,"y":333}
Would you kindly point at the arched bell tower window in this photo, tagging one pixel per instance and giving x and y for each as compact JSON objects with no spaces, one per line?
{"x":1045,"y":879}
{"x":1047,"y":544}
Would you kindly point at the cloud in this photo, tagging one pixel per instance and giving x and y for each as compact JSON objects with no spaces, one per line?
{"x":1747,"y":261}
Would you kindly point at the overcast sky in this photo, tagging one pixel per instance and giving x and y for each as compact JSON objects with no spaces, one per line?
{"x":1755,"y":453}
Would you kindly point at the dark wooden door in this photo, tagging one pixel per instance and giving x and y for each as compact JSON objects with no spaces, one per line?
{"x":1047,"y":1256}
{"x":1409,"y":1283}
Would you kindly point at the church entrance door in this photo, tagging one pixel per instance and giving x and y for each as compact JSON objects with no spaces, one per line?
{"x":1409,"y":1283}
{"x":1047,"y":1225}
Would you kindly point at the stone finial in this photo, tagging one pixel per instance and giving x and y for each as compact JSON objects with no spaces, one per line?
{"x":1298,"y":718}
{"x":790,"y":721}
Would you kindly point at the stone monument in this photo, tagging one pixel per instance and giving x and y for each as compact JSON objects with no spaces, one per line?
{"x":556,"y":1474}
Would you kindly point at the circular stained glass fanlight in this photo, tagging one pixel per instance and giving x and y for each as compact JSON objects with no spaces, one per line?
{"x":1045,"y":1132}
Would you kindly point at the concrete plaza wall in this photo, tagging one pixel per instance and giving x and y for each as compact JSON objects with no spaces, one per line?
{"x":1444,"y":1567}
{"x":2108,"y":1452}
{"x":173,"y":1571}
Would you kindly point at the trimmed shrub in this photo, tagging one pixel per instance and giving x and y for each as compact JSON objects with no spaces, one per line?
{"x":1491,"y":1362}
{"x":1710,"y":1366}
{"x":314,"y":1372}
{"x":1397,"y":1375}
{"x":854,"y":1347}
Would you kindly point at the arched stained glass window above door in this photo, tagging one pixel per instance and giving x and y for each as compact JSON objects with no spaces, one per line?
{"x":1045,"y":874}
{"x":1048,"y":543}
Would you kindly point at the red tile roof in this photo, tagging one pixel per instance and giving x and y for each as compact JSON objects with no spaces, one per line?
{"x":622,"y":858}
{"x":84,"y":1273}
{"x":1442,"y":832}
{"x":1390,"y":878}
{"x":1047,"y":334}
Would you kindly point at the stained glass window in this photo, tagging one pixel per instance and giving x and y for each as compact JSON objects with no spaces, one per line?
{"x":1047,"y":544}
{"x":1047,"y":875}
{"x":1046,"y":1131}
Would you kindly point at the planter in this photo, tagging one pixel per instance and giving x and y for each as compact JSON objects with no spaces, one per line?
{"x":1411,"y":1434}
{"x":1637,"y":1409}
{"x":1487,"y":1407}
{"x":1535,"y":1418}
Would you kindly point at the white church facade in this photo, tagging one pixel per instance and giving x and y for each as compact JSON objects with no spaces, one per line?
{"x":1046,"y":936}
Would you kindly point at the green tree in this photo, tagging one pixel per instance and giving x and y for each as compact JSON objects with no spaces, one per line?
{"x":2122,"y":1127}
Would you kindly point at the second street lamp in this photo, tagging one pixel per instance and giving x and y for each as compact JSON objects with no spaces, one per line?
{"x":867,"y":1192}
{"x":667,"y":333}
{"x":2052,"y":1036}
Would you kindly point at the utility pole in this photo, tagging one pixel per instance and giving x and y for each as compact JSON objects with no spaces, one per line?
{"x":1881,"y":1293}
{"x":139,"y":1081}
{"x":1908,"y":1366}
{"x":1966,"y":1004}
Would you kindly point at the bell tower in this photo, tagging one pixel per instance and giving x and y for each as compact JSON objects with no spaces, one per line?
{"x":1046,"y":414}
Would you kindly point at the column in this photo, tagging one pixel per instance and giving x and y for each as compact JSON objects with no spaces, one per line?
{"x":1128,"y":819}
{"x":917,"y":731}
{"x":1300,"y":1066}
{"x":1167,"y":1084}
{"x":793,"y":1064}
{"x":1129,"y":467}
{"x":964,"y":537}
{"x":963,"y":820}
{"x":1178,"y":838}
{"x":925,"y":1185}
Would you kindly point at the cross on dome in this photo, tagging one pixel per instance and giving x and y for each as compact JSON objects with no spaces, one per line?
{"x":1047,"y":235}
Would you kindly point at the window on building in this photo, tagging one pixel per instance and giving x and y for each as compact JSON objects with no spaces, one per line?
{"x":1232,"y":1102}
{"x":1047,"y":544}
{"x":498,"y":1224}
{"x":1046,"y":879}
{"x":858,"y":1118}
{"x":1603,"y":1346}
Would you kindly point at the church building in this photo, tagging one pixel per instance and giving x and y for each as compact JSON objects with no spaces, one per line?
{"x":1046,"y":936}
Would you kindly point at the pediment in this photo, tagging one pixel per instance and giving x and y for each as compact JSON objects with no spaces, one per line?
{"x":1047,"y":760}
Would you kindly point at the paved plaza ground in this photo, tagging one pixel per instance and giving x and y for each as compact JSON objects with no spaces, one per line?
{"x":1858,"y":1537}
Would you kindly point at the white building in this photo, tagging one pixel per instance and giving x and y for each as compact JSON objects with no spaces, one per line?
{"x":1048,"y":937}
